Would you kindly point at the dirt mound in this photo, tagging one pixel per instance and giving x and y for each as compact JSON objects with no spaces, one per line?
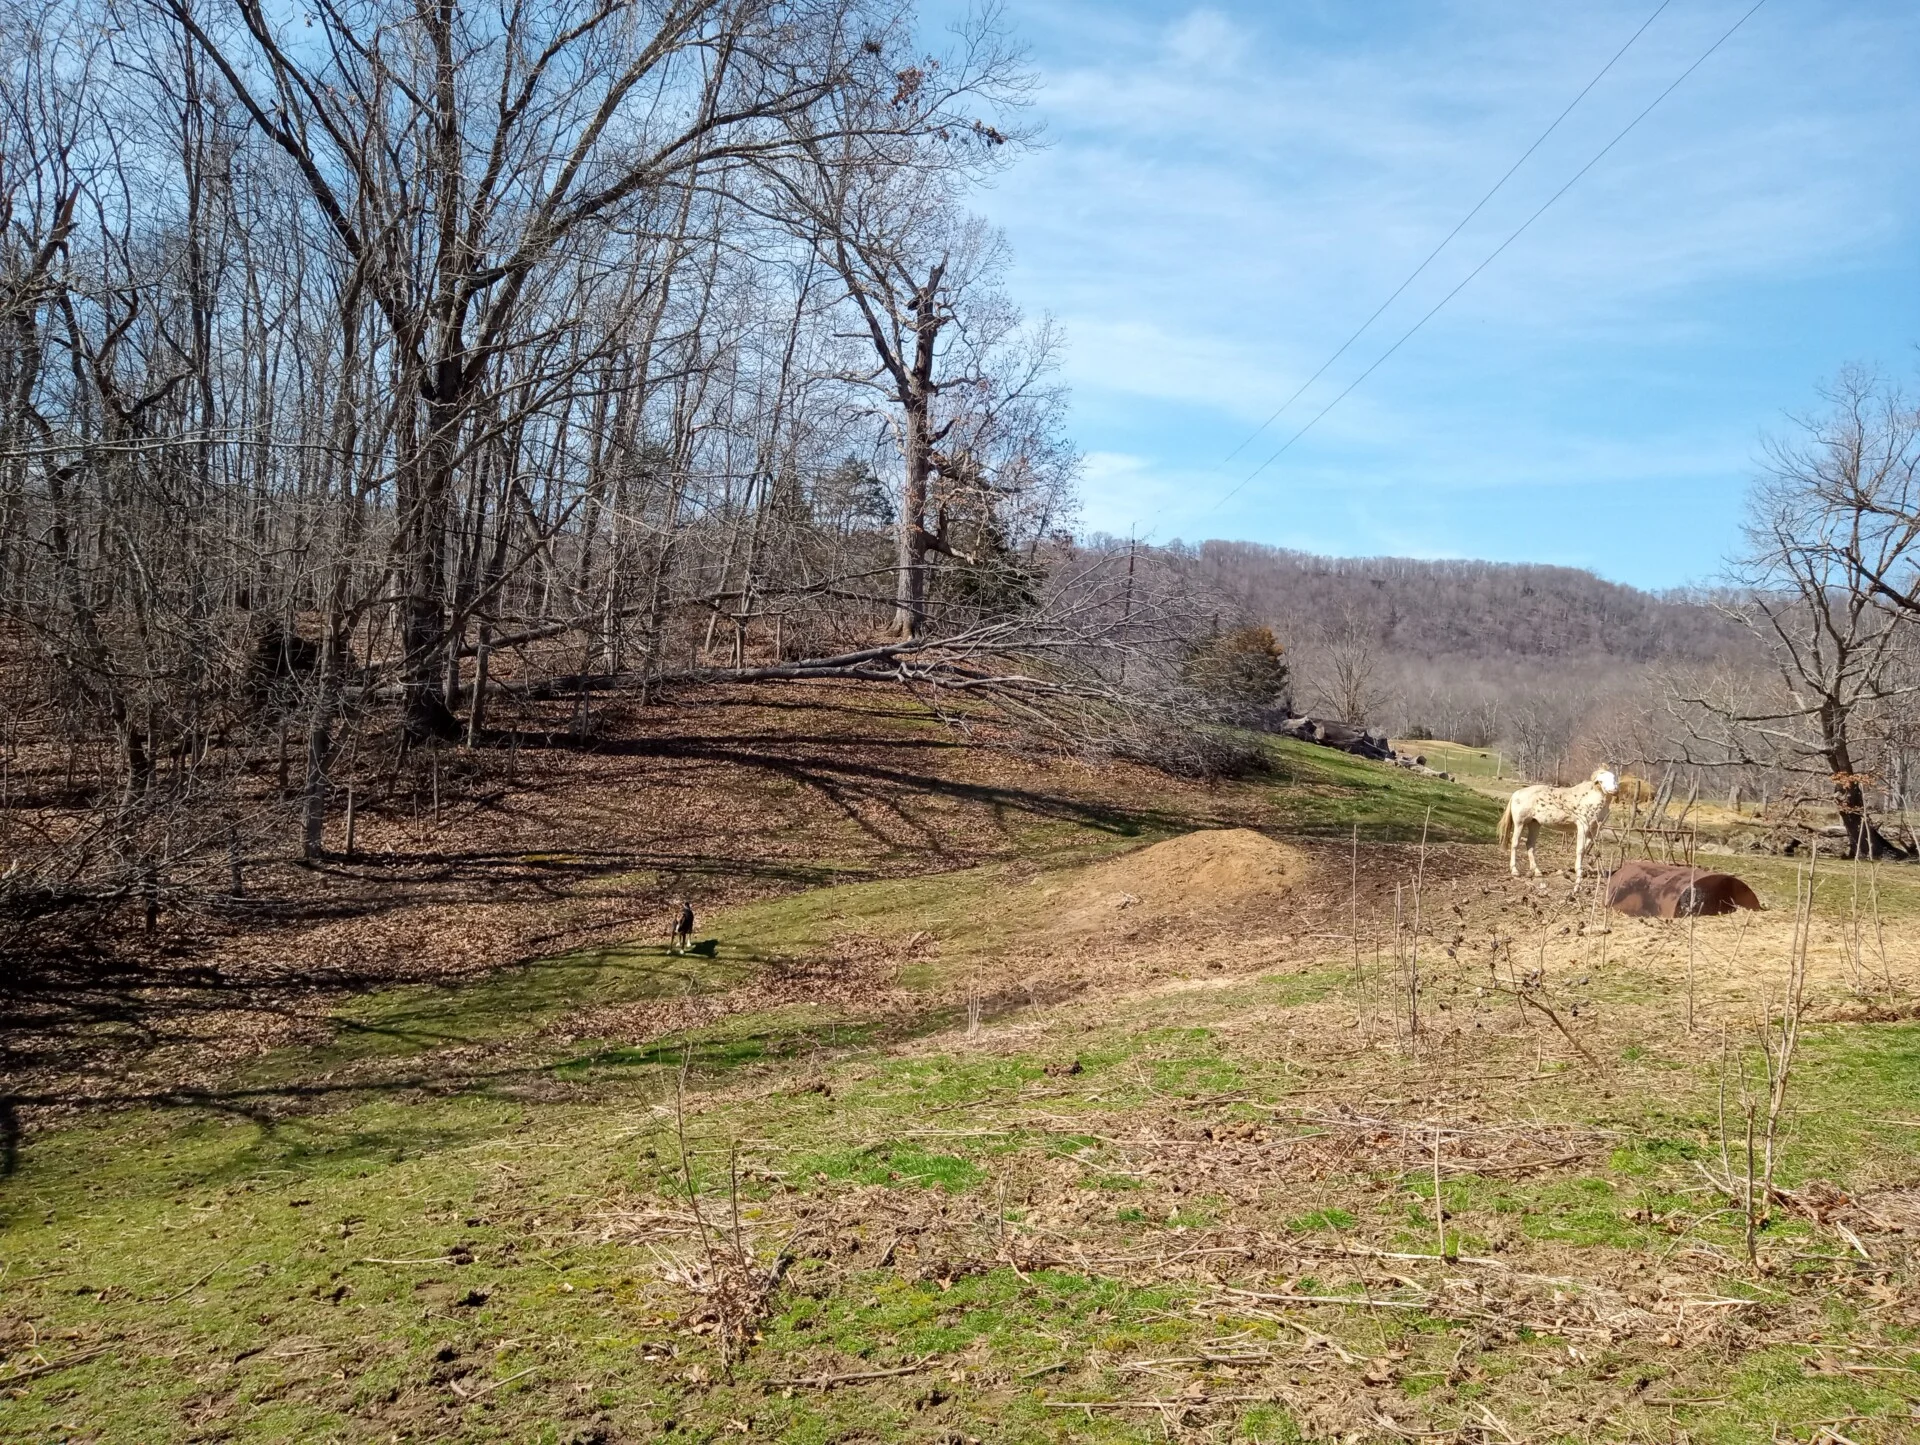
{"x":1196,"y":875}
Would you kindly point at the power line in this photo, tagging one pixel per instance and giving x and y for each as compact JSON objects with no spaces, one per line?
{"x":1517,"y":232}
{"x":1479,"y":205}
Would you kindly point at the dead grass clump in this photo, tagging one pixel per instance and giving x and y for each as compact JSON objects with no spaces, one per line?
{"x":1866,"y":1011}
{"x":733,"y":1294}
{"x":1882,"y":1211}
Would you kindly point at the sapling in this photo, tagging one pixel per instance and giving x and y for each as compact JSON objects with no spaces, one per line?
{"x":1690,"y":956}
{"x":1879,"y":932}
{"x":1353,"y":904}
{"x":1778,"y":1047}
{"x":1779,"y":1042}
{"x":1413,"y":964}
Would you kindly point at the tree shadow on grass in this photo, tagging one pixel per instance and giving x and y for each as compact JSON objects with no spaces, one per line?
{"x":78,"y":1002}
{"x":312,"y":1120}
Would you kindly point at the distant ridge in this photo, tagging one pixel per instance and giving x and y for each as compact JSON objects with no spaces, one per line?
{"x":1463,"y":609}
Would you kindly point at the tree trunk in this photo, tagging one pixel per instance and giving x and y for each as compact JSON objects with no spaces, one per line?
{"x":910,"y":590}
{"x":313,"y":816}
{"x":916,"y":444}
{"x":1864,"y":840}
{"x":477,"y":711}
{"x":423,"y":634}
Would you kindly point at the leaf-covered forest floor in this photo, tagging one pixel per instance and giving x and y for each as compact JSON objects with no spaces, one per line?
{"x":544,"y":841}
{"x":1029,"y":1114}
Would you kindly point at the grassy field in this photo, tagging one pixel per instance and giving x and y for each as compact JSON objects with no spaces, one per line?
{"x":1468,"y":765}
{"x":1323,"y":791}
{"x":904,"y":1160}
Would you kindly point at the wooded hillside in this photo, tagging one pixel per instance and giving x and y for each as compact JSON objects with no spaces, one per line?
{"x":1464,"y":609}
{"x":367,"y":376}
{"x":1551,"y":663}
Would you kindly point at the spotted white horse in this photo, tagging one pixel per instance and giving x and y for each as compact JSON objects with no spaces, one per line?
{"x":1584,"y":805}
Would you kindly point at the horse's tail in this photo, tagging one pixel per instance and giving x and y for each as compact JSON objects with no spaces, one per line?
{"x":1506,"y":823}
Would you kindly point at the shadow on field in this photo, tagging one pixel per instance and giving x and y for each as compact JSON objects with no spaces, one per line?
{"x":711,"y":796}
{"x":322,"y":1081}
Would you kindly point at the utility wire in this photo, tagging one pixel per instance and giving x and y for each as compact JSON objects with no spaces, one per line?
{"x":1479,"y":205}
{"x":1408,"y":334}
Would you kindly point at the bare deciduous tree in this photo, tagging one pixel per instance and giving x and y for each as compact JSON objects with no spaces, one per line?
{"x":1343,"y":665}
{"x":365,"y":366}
{"x":1827,"y":560}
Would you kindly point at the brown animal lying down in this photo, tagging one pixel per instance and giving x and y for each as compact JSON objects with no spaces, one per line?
{"x":1641,"y":889}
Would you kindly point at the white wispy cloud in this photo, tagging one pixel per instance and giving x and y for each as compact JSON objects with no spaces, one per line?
{"x":1229,"y":189}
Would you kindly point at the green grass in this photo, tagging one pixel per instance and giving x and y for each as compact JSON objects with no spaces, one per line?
{"x":890,"y":1163}
{"x":371,"y":1240}
{"x":1318,"y":1219}
{"x":400,"y":1023}
{"x":1856,"y":1084}
{"x":1842,"y":889}
{"x":1331,"y":792}
{"x":769,"y":1037}
{"x":1771,"y":1387}
{"x":1468,"y":764}
{"x":223,"y":1239}
{"x":465,"y":1198}
{"x":318,"y":1267}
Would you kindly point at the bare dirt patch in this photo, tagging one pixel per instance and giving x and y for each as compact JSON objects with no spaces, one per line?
{"x":1201,"y":877}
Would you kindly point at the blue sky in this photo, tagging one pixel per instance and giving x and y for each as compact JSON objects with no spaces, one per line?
{"x":1227,"y":190}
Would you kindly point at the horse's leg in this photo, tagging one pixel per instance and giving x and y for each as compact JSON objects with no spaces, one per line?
{"x":1579,"y":850}
{"x":1533,"y":839}
{"x":1513,"y":849}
